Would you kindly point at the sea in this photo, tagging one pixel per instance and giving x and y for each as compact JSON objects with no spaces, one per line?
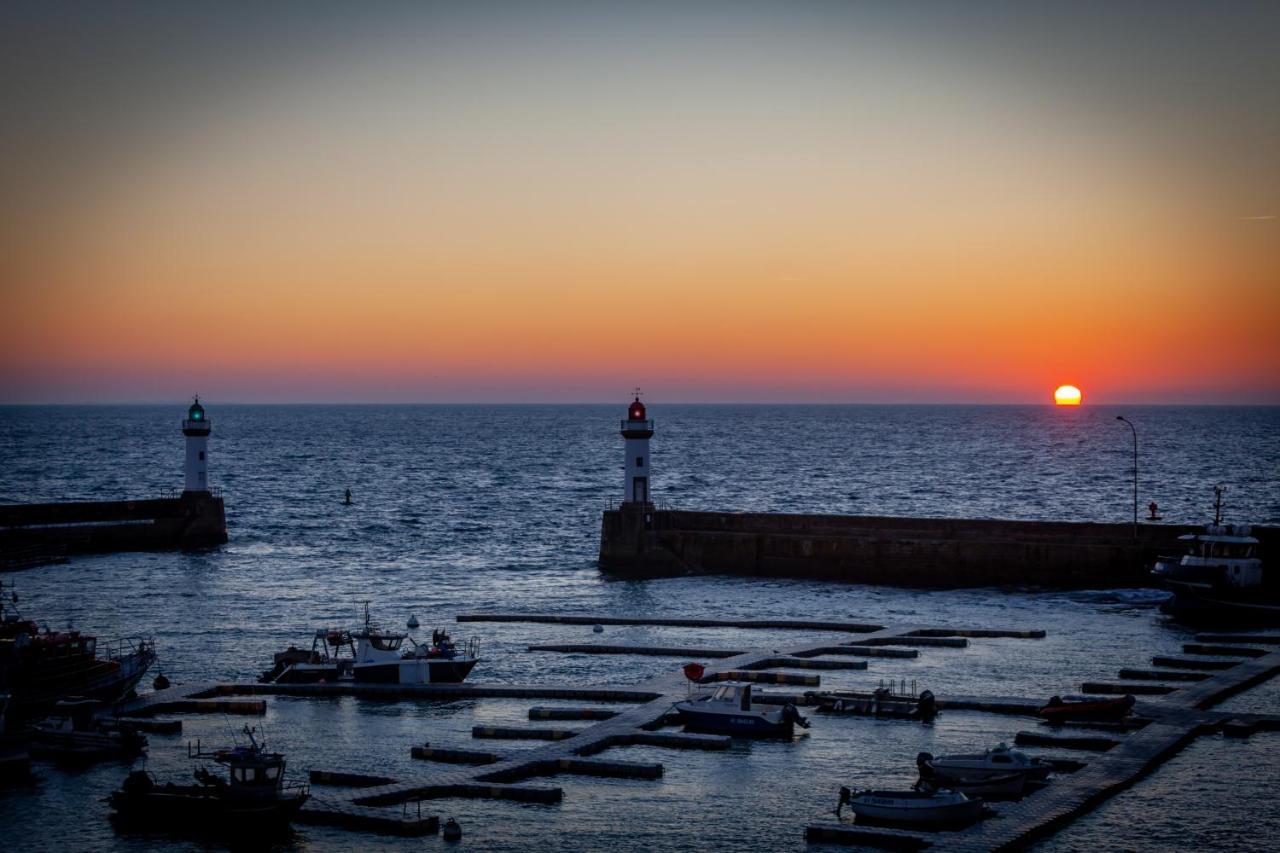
{"x":486,"y":508}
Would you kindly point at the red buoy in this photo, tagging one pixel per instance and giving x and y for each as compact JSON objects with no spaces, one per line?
{"x":694,"y":671}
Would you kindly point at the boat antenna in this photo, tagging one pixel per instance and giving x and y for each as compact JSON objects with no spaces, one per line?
{"x":1217,"y":503}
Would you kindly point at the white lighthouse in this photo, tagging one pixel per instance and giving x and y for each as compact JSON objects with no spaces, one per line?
{"x":636,"y":432}
{"x":196,"y":428}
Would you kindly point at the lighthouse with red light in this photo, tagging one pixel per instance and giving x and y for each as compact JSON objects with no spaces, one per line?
{"x":637,"y":429}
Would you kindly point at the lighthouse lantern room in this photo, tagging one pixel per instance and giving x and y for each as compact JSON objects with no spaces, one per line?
{"x":637,"y":429}
{"x":196,"y":428}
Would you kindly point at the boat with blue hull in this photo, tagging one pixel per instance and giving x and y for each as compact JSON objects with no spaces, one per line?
{"x":729,"y":710}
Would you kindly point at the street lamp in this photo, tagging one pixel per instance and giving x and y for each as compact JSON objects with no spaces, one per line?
{"x":1135,"y":473}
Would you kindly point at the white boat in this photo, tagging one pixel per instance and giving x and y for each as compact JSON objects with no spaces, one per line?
{"x":372,"y":654}
{"x":998,"y":761}
{"x":729,"y":710}
{"x":912,"y":808}
{"x":1007,"y":787}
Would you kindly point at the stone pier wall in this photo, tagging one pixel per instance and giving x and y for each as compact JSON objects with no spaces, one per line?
{"x":913,"y":552}
{"x":191,"y":521}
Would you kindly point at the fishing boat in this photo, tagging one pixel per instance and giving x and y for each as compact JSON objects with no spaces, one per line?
{"x":1087,"y":708}
{"x":881,"y":702}
{"x":941,"y":808}
{"x":253,"y":795}
{"x":39,"y":666}
{"x":374,"y":655}
{"x":1220,"y":576}
{"x":729,"y":710}
{"x":73,"y":733}
{"x":997,"y":761}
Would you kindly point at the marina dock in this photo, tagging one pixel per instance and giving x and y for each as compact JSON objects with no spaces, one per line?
{"x":1168,"y":719}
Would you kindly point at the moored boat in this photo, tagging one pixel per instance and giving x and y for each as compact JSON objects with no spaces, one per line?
{"x":940,"y":808}
{"x":729,"y":710}
{"x":1010,"y":786}
{"x":1086,"y":709}
{"x":1219,"y":577}
{"x":75,"y":734}
{"x":38,"y":666}
{"x":881,"y":702}
{"x":375,"y":655}
{"x":253,"y":796}
{"x":997,"y":761}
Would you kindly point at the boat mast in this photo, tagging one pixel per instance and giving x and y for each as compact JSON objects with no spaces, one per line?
{"x":1217,"y":503}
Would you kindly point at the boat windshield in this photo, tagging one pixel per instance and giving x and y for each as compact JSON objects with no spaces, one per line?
{"x":385,"y":643}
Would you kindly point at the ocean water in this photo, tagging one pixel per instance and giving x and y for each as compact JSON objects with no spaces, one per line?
{"x":469,"y":508}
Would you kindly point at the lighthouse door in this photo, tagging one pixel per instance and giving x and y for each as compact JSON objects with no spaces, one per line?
{"x":640,"y":489}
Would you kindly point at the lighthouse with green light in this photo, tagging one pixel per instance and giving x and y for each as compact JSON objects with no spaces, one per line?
{"x":196,"y":428}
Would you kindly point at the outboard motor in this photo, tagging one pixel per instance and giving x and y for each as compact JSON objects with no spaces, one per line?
{"x":845,"y":796}
{"x":791,"y":714}
{"x":928,"y":706}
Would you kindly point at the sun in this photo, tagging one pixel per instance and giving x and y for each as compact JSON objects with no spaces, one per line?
{"x":1067,"y":395}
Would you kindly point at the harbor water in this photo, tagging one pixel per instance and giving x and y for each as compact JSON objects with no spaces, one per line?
{"x":497,"y":508}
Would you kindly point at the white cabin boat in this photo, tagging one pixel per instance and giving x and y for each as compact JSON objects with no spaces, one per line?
{"x":998,"y":761}
{"x":912,"y":808}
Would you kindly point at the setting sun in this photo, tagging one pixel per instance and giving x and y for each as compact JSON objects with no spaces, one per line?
{"x":1067,"y":395}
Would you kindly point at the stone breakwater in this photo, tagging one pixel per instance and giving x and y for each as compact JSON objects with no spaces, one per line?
{"x":912,"y":552}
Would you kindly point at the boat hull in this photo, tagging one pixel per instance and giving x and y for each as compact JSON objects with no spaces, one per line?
{"x":901,"y":809}
{"x":415,"y":671}
{"x":742,"y":725}
{"x":104,"y":680}
{"x":1102,"y":710}
{"x":1209,"y":603}
{"x":201,"y":808}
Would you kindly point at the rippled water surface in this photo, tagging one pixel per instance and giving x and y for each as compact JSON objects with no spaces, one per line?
{"x":497,"y":508}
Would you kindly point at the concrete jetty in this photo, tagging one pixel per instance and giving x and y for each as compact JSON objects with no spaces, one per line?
{"x":642,"y":540}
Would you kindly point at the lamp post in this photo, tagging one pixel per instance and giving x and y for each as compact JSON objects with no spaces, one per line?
{"x":1135,"y":472}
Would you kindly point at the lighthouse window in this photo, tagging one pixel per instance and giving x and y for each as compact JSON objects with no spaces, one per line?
{"x":201,"y":455}
{"x":639,"y":461}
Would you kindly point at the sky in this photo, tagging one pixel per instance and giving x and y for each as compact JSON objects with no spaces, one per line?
{"x":719,"y":202}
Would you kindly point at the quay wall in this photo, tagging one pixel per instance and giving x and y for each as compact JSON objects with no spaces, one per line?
{"x":913,"y":552}
{"x":194,"y":520}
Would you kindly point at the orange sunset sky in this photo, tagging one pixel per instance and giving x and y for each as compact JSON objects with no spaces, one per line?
{"x":720,"y":202}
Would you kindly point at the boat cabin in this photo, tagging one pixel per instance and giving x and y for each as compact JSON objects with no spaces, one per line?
{"x":1225,"y":548}
{"x":733,"y":693}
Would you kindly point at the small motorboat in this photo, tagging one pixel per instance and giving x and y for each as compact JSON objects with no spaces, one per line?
{"x":940,"y":808}
{"x":1087,"y":709}
{"x":253,"y":795}
{"x":729,"y":710}
{"x":374,"y":655}
{"x":881,"y":702}
{"x":998,"y":761}
{"x":75,"y":733}
{"x":1010,"y":786}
